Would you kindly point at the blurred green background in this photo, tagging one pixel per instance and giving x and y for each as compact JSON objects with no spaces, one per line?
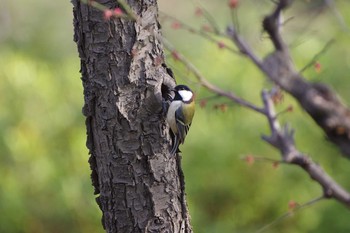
{"x":45,"y":184}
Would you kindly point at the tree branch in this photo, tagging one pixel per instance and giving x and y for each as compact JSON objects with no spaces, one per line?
{"x":314,"y":59}
{"x":317,"y":99}
{"x":283,"y":140}
{"x":205,"y":83}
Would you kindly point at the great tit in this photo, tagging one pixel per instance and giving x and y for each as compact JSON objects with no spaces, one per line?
{"x":180,"y":114}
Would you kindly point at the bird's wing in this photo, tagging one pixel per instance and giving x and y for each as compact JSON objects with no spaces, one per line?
{"x":182,"y":128}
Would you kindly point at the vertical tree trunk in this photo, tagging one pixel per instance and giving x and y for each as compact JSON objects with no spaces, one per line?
{"x":140,"y":186}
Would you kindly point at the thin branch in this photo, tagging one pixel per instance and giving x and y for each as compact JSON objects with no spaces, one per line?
{"x":262,"y":159}
{"x":209,"y":17}
{"x":234,"y":18}
{"x":283,"y":140}
{"x":317,"y":99}
{"x":129,"y":14}
{"x":279,"y":68}
{"x":128,"y":9}
{"x":243,"y":47}
{"x":315,"y":58}
{"x":339,"y":17}
{"x":310,"y":17}
{"x":201,"y":33}
{"x":289,"y":214}
{"x":203,"y":81}
{"x":95,"y":4}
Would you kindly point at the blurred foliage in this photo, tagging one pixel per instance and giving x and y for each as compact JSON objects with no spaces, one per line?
{"x":45,"y":178}
{"x":45,"y":184}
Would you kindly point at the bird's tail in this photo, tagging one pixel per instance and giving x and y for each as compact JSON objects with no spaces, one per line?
{"x":175,"y":147}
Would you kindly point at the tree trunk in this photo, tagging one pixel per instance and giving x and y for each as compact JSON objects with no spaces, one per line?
{"x":140,"y":186}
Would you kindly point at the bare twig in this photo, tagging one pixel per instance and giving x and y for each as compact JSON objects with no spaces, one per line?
{"x":243,"y":47}
{"x":339,"y":17}
{"x":290,"y":213}
{"x":203,"y":81}
{"x":322,"y":103}
{"x":262,"y":159}
{"x":201,"y":33}
{"x":283,"y":140}
{"x":314,"y":59}
{"x":315,"y":99}
{"x":234,"y":18}
{"x":128,"y":10}
{"x":128,"y":15}
{"x":211,"y":20}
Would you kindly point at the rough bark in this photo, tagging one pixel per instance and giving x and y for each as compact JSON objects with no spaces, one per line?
{"x":140,"y":187}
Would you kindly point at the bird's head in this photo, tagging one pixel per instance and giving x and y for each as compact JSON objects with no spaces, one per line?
{"x":183,"y":93}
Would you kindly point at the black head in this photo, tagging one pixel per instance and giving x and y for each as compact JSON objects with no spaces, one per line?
{"x":183,"y":93}
{"x":182,"y":87}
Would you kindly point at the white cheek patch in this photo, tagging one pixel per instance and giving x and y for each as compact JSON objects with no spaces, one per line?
{"x":186,"y":95}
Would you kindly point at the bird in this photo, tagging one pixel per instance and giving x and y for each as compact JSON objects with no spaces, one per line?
{"x":180,"y":114}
